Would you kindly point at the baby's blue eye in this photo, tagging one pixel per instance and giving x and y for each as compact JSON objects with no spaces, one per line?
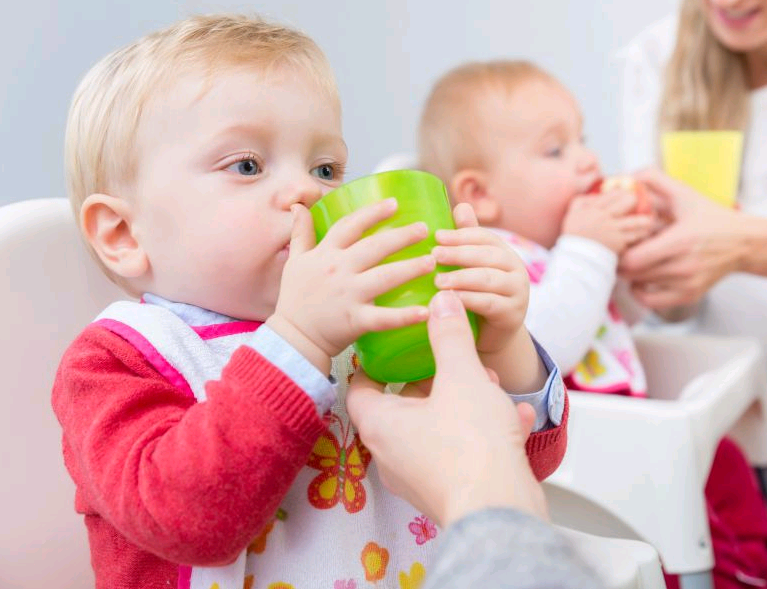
{"x":324,"y":172}
{"x":246,"y":167}
{"x":554,"y":152}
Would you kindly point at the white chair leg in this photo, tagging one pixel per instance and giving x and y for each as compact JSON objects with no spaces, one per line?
{"x":704,"y":580}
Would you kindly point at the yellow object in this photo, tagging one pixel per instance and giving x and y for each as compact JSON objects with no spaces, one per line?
{"x":709,"y":161}
{"x":415,"y":579}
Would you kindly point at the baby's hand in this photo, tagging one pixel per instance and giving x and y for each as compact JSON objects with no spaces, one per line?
{"x":327,"y":291}
{"x":492,"y":282}
{"x":608,"y":219}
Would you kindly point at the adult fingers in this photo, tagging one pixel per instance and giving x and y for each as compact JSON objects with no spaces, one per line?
{"x":363,"y":399}
{"x":651,"y":252}
{"x":526,"y":419}
{"x":676,"y":196}
{"x":674,"y":269}
{"x":452,"y":342}
{"x":662,"y":295}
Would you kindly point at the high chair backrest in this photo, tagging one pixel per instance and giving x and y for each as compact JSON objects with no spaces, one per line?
{"x":397,"y":161}
{"x":52,"y":290}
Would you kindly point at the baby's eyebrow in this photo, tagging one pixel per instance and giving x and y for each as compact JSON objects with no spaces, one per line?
{"x":330,"y":140}
{"x":558,"y":128}
{"x":242,"y":130}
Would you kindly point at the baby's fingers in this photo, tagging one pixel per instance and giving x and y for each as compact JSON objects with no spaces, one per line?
{"x":350,"y":228}
{"x":374,"y":318}
{"x":464,"y":216}
{"x":488,"y":280}
{"x":383,"y":278}
{"x":636,"y":227}
{"x":370,"y":250}
{"x":469,"y":236}
{"x":475,"y":256}
{"x":618,"y":203}
{"x":488,"y":305}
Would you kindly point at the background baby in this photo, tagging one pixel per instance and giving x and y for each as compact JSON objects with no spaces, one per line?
{"x":507,"y":138}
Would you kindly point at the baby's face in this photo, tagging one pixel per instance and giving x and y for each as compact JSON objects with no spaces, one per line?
{"x":538,"y":162}
{"x":220,"y":164}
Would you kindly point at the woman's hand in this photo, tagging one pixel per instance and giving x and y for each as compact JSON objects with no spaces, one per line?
{"x":460,"y":449}
{"x":702,"y":243}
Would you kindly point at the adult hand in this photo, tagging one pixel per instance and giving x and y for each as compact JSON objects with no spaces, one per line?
{"x":458,"y":450}
{"x":701,"y":244}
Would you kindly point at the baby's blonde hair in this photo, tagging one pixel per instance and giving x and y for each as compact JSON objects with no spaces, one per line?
{"x":107,"y":106}
{"x":452,"y":122}
{"x":706,"y":86}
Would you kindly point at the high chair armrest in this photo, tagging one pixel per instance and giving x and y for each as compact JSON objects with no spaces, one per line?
{"x":621,"y":564}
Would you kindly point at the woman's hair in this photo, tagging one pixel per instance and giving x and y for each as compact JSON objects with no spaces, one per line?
{"x":706,"y":85}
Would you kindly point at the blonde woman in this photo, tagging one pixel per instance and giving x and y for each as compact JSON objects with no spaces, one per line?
{"x":703,"y":69}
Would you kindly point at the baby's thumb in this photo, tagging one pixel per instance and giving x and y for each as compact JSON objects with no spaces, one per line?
{"x":302,"y":237}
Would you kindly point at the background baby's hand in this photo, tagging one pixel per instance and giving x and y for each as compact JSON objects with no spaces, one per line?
{"x":492,"y":280}
{"x":328,"y":289}
{"x":608,"y":219}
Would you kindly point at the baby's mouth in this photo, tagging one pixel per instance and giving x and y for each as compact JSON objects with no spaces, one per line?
{"x":595,"y":187}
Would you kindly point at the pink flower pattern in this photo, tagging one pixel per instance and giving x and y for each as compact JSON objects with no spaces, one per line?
{"x":423,"y":529}
{"x":345,"y":584}
{"x":536,"y":270}
{"x":626,"y":358}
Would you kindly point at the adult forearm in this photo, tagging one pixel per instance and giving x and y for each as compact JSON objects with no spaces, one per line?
{"x":753,"y":245}
{"x":506,"y":549}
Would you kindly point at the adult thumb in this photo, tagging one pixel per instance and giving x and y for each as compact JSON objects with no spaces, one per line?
{"x":452,"y":341}
{"x":363,"y":399}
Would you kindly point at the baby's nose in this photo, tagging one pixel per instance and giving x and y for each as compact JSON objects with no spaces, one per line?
{"x":588,"y":161}
{"x":305,"y":193}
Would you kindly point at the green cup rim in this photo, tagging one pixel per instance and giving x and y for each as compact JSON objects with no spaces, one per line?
{"x":376,"y":176}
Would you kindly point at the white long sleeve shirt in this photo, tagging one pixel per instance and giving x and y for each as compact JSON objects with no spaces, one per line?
{"x":572,"y":310}
{"x":737,"y":305}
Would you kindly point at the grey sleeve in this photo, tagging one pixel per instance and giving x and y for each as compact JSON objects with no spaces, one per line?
{"x":505,"y":549}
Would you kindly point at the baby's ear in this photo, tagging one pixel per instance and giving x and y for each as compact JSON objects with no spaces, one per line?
{"x":106,"y":223}
{"x":471,"y":186}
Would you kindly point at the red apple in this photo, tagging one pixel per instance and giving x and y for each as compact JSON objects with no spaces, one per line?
{"x":644,"y":204}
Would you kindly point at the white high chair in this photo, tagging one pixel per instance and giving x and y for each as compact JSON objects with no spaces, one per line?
{"x":53,"y":289}
{"x":636,"y":468}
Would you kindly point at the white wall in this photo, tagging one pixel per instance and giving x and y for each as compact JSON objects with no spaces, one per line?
{"x":385,"y":54}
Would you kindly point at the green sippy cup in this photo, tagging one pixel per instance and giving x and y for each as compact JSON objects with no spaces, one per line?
{"x":403,"y":354}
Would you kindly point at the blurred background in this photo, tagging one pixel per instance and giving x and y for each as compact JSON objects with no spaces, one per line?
{"x":386,"y":55}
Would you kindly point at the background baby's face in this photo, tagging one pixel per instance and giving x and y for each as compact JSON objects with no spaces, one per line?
{"x":538,"y":161}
